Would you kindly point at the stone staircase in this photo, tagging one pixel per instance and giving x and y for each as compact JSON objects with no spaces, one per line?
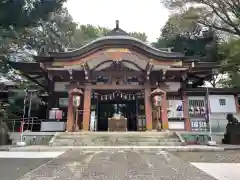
{"x":116,"y":139}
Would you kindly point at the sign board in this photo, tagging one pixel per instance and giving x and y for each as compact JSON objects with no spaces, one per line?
{"x":93,"y":123}
{"x":176,"y":125}
{"x":52,"y":114}
{"x":53,"y":126}
{"x":59,"y":114}
{"x":175,"y":109}
{"x":63,"y":102}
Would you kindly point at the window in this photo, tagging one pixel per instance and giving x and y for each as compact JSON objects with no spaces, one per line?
{"x":63,"y":102}
{"x":222,"y":102}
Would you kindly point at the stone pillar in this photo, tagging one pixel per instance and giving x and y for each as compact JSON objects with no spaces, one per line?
{"x":185,"y":113}
{"x":148,"y":108}
{"x":164,"y":115}
{"x":70,"y":115}
{"x":87,"y":107}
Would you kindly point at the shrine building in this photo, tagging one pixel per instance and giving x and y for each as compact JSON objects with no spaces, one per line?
{"x":118,"y":77}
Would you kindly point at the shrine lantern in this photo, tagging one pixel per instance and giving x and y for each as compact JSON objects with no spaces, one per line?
{"x":76,"y":101}
{"x":76,"y":93}
{"x":157,"y":97}
{"x":157,"y":100}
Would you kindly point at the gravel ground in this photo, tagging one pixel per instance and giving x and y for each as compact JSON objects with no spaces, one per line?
{"x":211,"y":157}
{"x":117,"y":165}
{"x":13,"y":168}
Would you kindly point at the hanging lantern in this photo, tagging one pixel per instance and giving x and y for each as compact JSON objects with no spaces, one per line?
{"x":157,"y":97}
{"x":157,"y":100}
{"x":76,"y":93}
{"x":76,"y":100}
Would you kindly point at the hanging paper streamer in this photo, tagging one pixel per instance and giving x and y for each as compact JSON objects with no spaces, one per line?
{"x":117,"y":94}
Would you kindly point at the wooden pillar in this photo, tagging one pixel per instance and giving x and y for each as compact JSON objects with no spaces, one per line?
{"x":51,"y":97}
{"x":164,"y":114}
{"x":148,"y":108}
{"x":185,"y":113}
{"x":70,"y":116}
{"x":87,"y":107}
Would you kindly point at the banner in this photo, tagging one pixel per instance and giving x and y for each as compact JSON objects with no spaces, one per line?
{"x":175,"y":109}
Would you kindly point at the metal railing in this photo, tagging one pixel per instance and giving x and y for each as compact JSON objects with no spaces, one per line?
{"x":32,"y":124}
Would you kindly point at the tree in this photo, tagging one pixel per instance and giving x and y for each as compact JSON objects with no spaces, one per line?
{"x":26,"y":13}
{"x":230,"y":53}
{"x":222,"y":15}
{"x":84,"y":34}
{"x":139,"y":35}
{"x":182,"y":23}
{"x":19,"y":42}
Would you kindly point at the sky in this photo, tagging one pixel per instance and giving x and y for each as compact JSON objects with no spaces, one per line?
{"x":134,"y":15}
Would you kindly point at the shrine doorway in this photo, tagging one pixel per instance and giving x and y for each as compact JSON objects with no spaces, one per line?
{"x":116,"y":104}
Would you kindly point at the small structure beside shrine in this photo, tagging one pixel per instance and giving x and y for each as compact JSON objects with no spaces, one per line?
{"x":118,"y":78}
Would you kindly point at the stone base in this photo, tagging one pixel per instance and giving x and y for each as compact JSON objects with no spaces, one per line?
{"x":21,"y":143}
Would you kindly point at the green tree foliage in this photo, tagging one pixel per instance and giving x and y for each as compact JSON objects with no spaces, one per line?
{"x":188,"y":37}
{"x":230,"y":53}
{"x":183,"y":33}
{"x":21,"y":24}
{"x":141,"y":36}
{"x":84,"y":34}
{"x":26,"y":13}
{"x":182,"y":23}
{"x":222,"y":15}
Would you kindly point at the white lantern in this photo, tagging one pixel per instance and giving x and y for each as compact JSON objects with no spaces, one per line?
{"x":76,"y":101}
{"x":157,"y":100}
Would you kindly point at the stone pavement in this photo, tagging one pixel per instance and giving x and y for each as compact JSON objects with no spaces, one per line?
{"x":190,"y":148}
{"x":221,"y":165}
{"x":221,"y":171}
{"x":15,"y":164}
{"x":116,"y":165}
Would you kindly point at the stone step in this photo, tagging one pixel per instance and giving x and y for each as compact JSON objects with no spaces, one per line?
{"x":71,"y":143}
{"x":116,"y":139}
{"x":115,"y":136}
{"x":124,"y":139}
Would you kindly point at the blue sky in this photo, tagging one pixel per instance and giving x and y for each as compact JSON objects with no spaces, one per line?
{"x":134,"y":15}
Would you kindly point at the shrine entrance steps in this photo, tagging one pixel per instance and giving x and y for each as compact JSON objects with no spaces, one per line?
{"x":116,"y":139}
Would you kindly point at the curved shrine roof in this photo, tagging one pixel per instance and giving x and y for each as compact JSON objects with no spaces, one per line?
{"x":117,"y":38}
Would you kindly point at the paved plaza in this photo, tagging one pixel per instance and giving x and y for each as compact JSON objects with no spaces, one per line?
{"x":120,"y":165}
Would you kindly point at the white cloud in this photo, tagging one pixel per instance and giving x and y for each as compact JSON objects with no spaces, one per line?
{"x":134,"y":15}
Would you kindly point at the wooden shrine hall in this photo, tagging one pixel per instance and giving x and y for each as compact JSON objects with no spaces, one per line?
{"x":116,"y":83}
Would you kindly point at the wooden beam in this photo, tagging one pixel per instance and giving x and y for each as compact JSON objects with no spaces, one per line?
{"x":117,"y":73}
{"x":115,"y":87}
